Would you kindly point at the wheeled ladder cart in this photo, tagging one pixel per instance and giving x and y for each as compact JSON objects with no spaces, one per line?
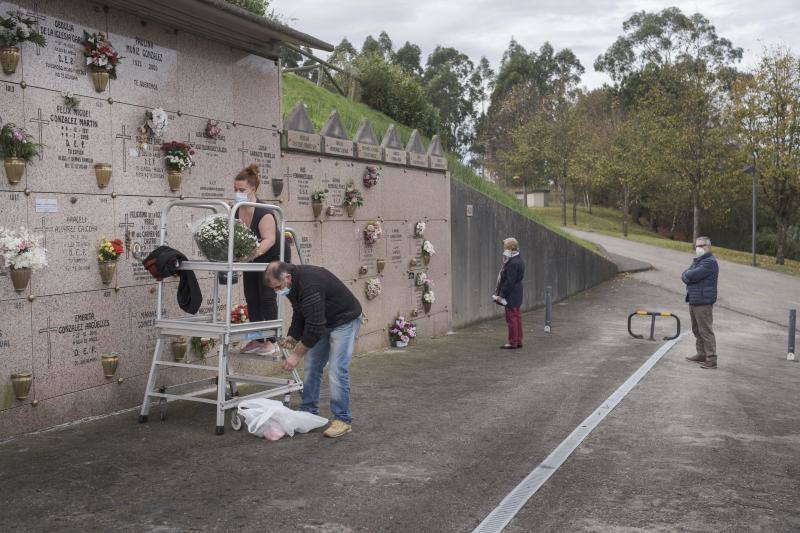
{"x":225,"y":382}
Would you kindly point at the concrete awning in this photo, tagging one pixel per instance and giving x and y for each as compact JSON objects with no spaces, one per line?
{"x":222,"y":22}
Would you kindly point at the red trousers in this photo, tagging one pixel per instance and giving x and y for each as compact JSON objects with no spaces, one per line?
{"x":514,"y":321}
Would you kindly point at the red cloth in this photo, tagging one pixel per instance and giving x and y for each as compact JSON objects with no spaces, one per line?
{"x":514,"y":322}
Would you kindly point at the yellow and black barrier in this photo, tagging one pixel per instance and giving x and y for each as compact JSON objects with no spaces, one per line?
{"x":653,"y":315}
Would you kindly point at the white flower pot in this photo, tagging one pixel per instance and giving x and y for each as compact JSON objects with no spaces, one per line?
{"x":400,"y":344}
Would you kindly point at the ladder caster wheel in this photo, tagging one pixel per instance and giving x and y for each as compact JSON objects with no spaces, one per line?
{"x":220,"y":430}
{"x":236,"y":422}
{"x":142,"y":419}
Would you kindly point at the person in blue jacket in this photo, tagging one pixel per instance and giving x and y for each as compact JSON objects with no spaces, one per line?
{"x":701,"y":294}
{"x":509,"y":291}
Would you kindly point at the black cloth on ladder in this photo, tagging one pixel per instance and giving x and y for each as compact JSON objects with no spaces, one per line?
{"x":163,"y":262}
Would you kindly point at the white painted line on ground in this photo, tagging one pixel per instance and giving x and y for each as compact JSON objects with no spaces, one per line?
{"x":499,"y":518}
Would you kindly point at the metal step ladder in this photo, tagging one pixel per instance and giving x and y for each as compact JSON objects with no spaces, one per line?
{"x":225,"y":382}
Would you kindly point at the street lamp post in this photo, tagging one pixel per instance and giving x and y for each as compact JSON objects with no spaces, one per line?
{"x":752,"y":170}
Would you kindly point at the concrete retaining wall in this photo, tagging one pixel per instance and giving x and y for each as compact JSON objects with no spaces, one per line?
{"x":550,"y":259}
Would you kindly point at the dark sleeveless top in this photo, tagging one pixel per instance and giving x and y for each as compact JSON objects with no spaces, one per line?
{"x":274,"y":253}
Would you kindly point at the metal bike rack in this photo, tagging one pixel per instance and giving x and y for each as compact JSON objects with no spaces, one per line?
{"x":653,"y":315}
{"x":225,"y":332}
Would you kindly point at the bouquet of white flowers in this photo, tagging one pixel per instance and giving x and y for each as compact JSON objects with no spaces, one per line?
{"x":20,"y":249}
{"x":211,"y":236}
{"x":427,"y":248}
{"x":419,"y":229}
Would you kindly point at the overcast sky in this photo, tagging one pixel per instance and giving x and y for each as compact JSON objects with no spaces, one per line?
{"x":483,"y":27}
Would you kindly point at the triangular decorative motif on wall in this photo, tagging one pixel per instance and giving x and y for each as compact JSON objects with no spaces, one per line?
{"x":335,"y":139}
{"x":333,"y":127}
{"x":436,"y":155}
{"x":392,"y":139}
{"x":298,"y":119}
{"x":300,"y":133}
{"x":416,"y":151}
{"x":365,"y":134}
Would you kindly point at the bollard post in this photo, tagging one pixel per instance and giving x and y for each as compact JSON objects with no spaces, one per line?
{"x":791,"y":354}
{"x":548,"y":308}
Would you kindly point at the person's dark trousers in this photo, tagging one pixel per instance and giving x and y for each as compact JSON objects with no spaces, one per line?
{"x":703,"y":329}
{"x":262,"y":302}
{"x":514,"y":322}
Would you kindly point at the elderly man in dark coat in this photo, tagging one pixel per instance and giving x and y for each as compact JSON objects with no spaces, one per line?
{"x":701,"y":294}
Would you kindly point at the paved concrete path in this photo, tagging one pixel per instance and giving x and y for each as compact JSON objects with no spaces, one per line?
{"x":446,"y":428}
{"x":752,"y":291}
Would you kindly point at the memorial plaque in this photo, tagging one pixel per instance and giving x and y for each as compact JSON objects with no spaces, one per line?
{"x":396,"y":234}
{"x":138,"y":161}
{"x":335,"y":146}
{"x":12,"y":215}
{"x":140,"y":311}
{"x":417,"y":160}
{"x":256,"y":91}
{"x":138,"y":224}
{"x":369,"y":151}
{"x":299,"y":140}
{"x":394,"y":156}
{"x":148,"y":74}
{"x":60,"y":64}
{"x":341,"y":256}
{"x":259,"y":146}
{"x":74,"y":140}
{"x":309,"y":237}
{"x":339,"y":173}
{"x":72,"y":237}
{"x":367,"y":143}
{"x":15,"y":347}
{"x":216,"y":161}
{"x":73,"y":333}
{"x":302,"y":175}
{"x":205,"y":72}
{"x":438,"y":162}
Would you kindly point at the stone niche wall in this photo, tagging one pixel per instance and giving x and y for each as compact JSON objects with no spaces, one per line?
{"x":67,"y":318}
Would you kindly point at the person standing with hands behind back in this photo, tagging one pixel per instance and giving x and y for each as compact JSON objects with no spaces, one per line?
{"x":509,"y":291}
{"x":262,"y":304}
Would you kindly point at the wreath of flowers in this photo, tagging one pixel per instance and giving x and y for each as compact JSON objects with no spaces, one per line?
{"x":353,"y":196}
{"x":155,"y":125}
{"x":371,"y":176}
{"x":212,"y":129}
{"x":372,"y":232}
{"x":419,"y":229}
{"x":20,"y":249}
{"x":373,"y":288}
{"x":239,"y":314}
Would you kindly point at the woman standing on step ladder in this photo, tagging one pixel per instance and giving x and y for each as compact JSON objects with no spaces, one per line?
{"x":262,"y":303}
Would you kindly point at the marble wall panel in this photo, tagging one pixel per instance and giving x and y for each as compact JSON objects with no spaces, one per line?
{"x":12,"y":216}
{"x":15,"y":346}
{"x":205,"y":78}
{"x":216,"y":160}
{"x":12,"y":110}
{"x":256,"y":91}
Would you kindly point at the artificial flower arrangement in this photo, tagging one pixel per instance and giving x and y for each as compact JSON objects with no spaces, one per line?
{"x":107,"y":256}
{"x":155,"y":125}
{"x":110,"y":250}
{"x":371,"y":176}
{"x":211,"y":236}
{"x":16,"y":148}
{"x":202,"y":345}
{"x":352,"y":196}
{"x":402,"y":331}
{"x":419,"y":229}
{"x":22,"y":253}
{"x":373,"y":288}
{"x":427,"y":251}
{"x":239,"y":314}
{"x":372,"y":232}
{"x":318,"y":195}
{"x":428,"y":297}
{"x":70,"y":100}
{"x":16,"y":29}
{"x":99,"y":54}
{"x":212,"y":129}
{"x":177,"y":155}
{"x":420,"y":279}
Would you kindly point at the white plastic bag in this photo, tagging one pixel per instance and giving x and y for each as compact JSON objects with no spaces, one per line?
{"x":272,"y":420}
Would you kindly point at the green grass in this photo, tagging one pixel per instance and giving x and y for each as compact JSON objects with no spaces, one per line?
{"x":608,"y":221}
{"x":321,"y":102}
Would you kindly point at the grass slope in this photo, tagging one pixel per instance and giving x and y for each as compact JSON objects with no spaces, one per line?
{"x":321,"y":102}
{"x":609,"y":222}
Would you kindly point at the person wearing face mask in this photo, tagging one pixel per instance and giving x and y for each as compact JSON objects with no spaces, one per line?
{"x":261,"y":301}
{"x":701,"y":294}
{"x":509,"y":291}
{"x":326,"y":318}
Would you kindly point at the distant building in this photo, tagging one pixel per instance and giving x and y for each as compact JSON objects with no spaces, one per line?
{"x":536,"y":197}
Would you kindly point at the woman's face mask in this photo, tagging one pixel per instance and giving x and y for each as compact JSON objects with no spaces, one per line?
{"x":242,"y":191}
{"x":241,"y":196}
{"x":507,"y":253}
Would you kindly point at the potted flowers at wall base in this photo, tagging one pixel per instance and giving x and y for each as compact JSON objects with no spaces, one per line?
{"x":317,"y":199}
{"x":402,"y":331}
{"x":177,"y":158}
{"x":427,"y":251}
{"x":353,"y":199}
{"x":22,"y":253}
{"x":16,"y":148}
{"x":107,"y":257}
{"x":179,"y":347}
{"x":101,"y":58}
{"x":16,"y":29}
{"x":21,"y":383}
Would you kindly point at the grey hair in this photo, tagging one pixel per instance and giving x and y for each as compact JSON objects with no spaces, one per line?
{"x":706,"y":241}
{"x":279,"y":271}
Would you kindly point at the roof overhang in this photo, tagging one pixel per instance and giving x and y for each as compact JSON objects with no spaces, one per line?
{"x":222,"y":22}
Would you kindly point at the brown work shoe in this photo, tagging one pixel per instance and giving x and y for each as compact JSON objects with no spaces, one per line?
{"x":337,"y":429}
{"x":697,"y":358}
{"x":710,"y":364}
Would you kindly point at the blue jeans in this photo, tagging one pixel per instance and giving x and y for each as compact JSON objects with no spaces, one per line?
{"x":335,"y":346}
